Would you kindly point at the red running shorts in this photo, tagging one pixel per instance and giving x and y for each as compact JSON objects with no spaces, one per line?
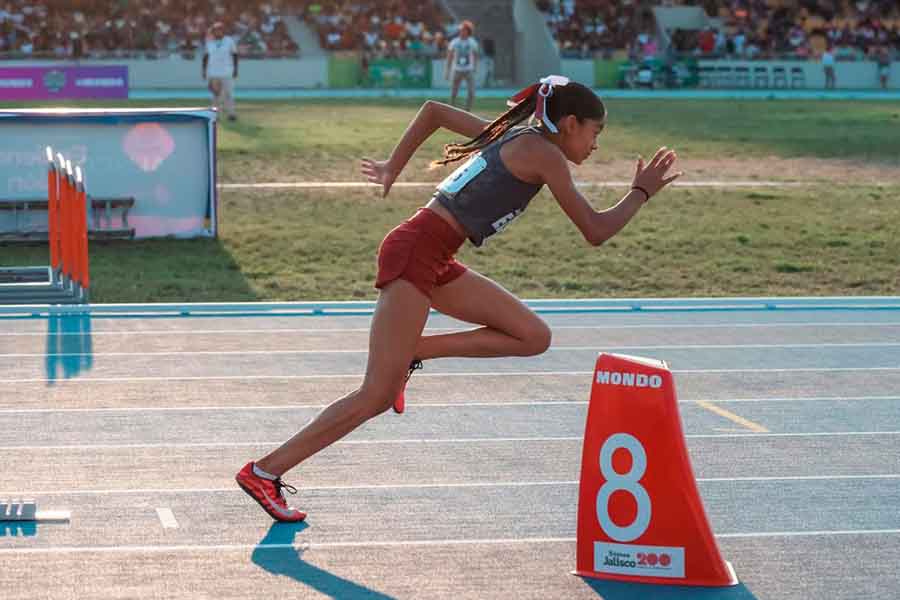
{"x":420,"y":250}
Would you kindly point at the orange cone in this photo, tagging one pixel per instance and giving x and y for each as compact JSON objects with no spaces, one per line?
{"x":640,"y":516}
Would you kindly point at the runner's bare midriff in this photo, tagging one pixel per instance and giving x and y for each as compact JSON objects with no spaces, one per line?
{"x":435,"y":206}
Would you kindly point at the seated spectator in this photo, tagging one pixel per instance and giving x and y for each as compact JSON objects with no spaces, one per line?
{"x":649,"y":48}
{"x":706,"y":41}
{"x":739,"y":42}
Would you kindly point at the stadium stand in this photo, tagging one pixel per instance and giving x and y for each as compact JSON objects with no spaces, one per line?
{"x":382,"y":28}
{"x":139,"y":28}
{"x":670,"y":34}
{"x":744,"y":29}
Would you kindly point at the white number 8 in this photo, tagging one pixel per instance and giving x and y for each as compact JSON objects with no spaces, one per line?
{"x":628,"y":482}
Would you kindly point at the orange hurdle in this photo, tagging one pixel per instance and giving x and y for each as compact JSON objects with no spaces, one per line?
{"x":53,"y":223}
{"x":67,"y":228}
{"x":81,"y":240}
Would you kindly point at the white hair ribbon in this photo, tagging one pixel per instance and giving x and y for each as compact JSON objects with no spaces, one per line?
{"x":544,"y":92}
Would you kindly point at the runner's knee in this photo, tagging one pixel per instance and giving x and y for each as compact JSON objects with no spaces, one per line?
{"x":536,"y":338}
{"x":379,"y":396}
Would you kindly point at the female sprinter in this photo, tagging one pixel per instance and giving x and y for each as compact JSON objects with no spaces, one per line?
{"x":505,"y":167}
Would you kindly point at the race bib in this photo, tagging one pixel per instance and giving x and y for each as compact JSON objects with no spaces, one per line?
{"x":463,"y":175}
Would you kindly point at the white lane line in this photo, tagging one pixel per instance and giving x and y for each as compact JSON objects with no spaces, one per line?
{"x":434,"y":375}
{"x":295,"y":546}
{"x":274,"y":443}
{"x":416,"y":486}
{"x":799,"y":399}
{"x":356,"y":376}
{"x":185,"y":332}
{"x":401,"y":543}
{"x":289,"y":185}
{"x":797,"y":478}
{"x":537,"y":403}
{"x":167,"y":518}
{"x":708,"y":436}
{"x":819,"y":533}
{"x":311,"y":488}
{"x":594,"y":348}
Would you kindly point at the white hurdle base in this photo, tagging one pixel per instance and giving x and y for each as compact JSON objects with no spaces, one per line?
{"x":19,"y":511}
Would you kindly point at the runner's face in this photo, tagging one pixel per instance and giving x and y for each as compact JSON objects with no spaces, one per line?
{"x":580,"y":138}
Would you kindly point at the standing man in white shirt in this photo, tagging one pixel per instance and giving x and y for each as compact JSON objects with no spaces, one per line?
{"x":828,"y":64}
{"x":462,"y":63}
{"x":220,"y":69}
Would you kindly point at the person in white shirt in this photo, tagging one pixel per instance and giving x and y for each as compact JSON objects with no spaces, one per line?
{"x":462,"y":63}
{"x":739,"y":41}
{"x":828,"y":64}
{"x":220,"y":69}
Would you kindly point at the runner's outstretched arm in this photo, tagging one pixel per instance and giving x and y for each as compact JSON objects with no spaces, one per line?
{"x":431,"y":117}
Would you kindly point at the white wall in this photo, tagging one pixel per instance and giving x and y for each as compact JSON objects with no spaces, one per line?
{"x":179,"y":73}
{"x":536,"y":52}
{"x":312,"y":72}
{"x":849,"y":75}
{"x":439,"y":80}
{"x":579,"y":70}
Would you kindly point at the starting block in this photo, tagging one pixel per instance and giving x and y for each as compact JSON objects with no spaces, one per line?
{"x":26,"y":510}
{"x":640,"y":516}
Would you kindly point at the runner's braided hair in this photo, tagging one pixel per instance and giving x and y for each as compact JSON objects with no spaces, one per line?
{"x":571,"y":99}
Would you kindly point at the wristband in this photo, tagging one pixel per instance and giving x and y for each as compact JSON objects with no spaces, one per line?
{"x":640,"y":189}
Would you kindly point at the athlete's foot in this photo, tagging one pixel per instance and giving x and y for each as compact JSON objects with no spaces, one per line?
{"x":268,"y":493}
{"x":400,"y":400}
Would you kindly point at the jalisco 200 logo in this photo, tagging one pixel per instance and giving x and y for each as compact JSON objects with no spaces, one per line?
{"x":642,"y":559}
{"x":54,"y":80}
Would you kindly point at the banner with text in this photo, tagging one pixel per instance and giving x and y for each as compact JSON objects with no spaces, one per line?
{"x":400,"y":73}
{"x":63,"y":82}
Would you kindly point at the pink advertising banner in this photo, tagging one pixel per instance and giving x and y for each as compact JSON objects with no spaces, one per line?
{"x":63,"y":82}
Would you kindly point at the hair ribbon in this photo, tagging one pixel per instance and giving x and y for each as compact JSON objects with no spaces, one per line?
{"x":544,"y":90}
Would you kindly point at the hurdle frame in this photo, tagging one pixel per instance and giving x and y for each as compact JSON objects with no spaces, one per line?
{"x":66,"y":279}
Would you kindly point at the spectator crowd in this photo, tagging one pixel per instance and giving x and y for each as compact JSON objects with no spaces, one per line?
{"x":802,"y":29}
{"x":748,"y":29}
{"x":139,"y":28}
{"x":585,"y":28}
{"x":159,"y":28}
{"x":382,"y":28}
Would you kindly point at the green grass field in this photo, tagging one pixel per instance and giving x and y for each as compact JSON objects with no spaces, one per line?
{"x":838,"y":233}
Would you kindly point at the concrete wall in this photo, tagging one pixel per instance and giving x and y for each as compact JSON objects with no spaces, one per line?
{"x":439,"y":79}
{"x":579,"y":70}
{"x":849,"y":75}
{"x":536,"y":52}
{"x":179,"y":73}
{"x":492,"y":20}
{"x":683,"y":17}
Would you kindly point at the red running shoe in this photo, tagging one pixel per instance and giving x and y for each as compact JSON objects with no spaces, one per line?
{"x":269,"y":495}
{"x":400,"y":400}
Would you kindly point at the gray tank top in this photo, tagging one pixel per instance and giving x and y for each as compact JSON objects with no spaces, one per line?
{"x":483,"y":195}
